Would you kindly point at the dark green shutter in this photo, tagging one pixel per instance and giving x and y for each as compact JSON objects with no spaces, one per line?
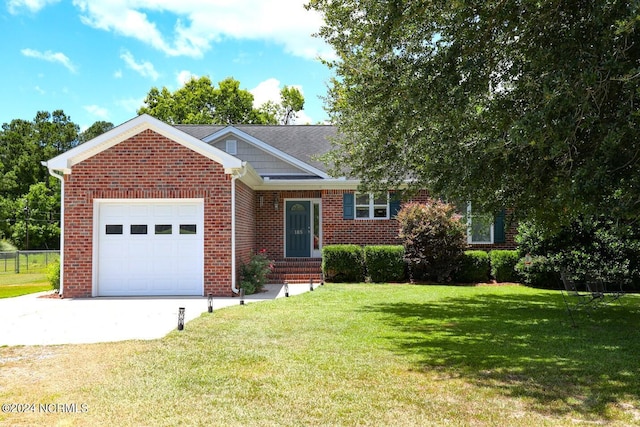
{"x":394,"y":205}
{"x":499,"y":232}
{"x":348,"y":207}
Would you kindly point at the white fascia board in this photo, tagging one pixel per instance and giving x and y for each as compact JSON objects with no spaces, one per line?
{"x":267,"y":148}
{"x":65,"y":161}
{"x":308,"y":184}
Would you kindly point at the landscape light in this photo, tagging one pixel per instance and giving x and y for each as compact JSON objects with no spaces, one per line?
{"x":180,"y":318}
{"x":241,"y":296}
{"x":311,"y":285}
{"x":286,"y":289}
{"x":210,"y":303}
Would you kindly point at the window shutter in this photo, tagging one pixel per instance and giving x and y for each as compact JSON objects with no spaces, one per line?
{"x":394,"y":205}
{"x":348,"y":206}
{"x":499,"y":233}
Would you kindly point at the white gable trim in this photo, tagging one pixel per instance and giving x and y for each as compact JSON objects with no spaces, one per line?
{"x":267,"y":148}
{"x":65,"y":161}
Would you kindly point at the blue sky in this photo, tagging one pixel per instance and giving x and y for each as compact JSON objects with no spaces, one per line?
{"x":97,"y":59}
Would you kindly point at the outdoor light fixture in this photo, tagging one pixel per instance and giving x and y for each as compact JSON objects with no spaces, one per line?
{"x":241,"y":296}
{"x":181,"y":318}
{"x":286,"y":289}
{"x":210,"y":303}
{"x":311,"y":285}
{"x":276,"y":200}
{"x":261,"y":199}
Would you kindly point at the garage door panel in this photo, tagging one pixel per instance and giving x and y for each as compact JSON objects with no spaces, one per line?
{"x":161,"y":262}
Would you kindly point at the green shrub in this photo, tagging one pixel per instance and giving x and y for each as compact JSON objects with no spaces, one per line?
{"x":503,"y":265}
{"x":384,"y":263}
{"x":474,"y":267}
{"x":434,"y":239}
{"x":253,"y":275}
{"x":587,"y":247}
{"x":538,"y":272}
{"x":53,"y":275}
{"x":343,"y":263}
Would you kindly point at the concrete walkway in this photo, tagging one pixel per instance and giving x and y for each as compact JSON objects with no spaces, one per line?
{"x":32,"y":320}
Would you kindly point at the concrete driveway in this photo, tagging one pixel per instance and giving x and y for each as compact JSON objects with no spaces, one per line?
{"x":32,"y":320}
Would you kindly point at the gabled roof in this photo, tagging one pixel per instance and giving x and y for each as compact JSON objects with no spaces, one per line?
{"x":302,"y":143}
{"x":65,"y":161}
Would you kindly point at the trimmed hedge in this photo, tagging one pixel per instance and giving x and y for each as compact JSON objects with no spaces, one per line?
{"x":503,"y":265}
{"x":385,"y":263}
{"x":474,"y":267}
{"x":343,"y":263}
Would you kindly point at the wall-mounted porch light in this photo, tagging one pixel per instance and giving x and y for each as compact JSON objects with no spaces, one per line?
{"x":210,"y":303}
{"x":276,"y":200}
{"x":261,"y":201}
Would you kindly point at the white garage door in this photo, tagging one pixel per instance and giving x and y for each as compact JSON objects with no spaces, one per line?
{"x":150,"y":247}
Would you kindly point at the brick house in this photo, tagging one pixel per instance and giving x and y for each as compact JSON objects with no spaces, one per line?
{"x":154,"y":209}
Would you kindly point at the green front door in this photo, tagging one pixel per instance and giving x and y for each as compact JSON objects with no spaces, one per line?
{"x":298,"y":228}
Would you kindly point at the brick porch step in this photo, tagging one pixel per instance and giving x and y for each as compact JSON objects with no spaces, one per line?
{"x":296,"y":271}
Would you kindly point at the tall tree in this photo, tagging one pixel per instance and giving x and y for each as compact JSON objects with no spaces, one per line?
{"x":96,"y":129}
{"x":25,"y":183}
{"x":200,"y":102}
{"x":285,"y":112}
{"x":532,"y":104}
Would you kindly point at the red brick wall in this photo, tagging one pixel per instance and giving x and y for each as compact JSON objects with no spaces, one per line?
{"x":335,"y":229}
{"x":245,"y":225}
{"x":147,"y":165}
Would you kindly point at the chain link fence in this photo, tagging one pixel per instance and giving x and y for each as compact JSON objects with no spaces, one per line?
{"x":27,"y":261}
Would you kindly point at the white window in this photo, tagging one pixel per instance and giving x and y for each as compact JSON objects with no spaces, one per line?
{"x":479,"y":227}
{"x":231,"y":147}
{"x":369,"y":206}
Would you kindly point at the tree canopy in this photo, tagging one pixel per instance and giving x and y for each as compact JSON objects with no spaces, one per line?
{"x":200,"y":102}
{"x":529,"y":104}
{"x":29,"y":196}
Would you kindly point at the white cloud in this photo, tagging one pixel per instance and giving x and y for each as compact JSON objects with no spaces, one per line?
{"x":33,"y":6}
{"x":97,"y":111}
{"x":198,"y":24}
{"x":117,"y":74}
{"x":145,"y":68}
{"x":131,"y":105}
{"x":50,"y":56}
{"x":268,"y":90}
{"x":39,"y":90}
{"x":303,"y":119}
{"x":184,"y":76}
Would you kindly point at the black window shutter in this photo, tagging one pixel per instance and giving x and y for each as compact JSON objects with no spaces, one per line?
{"x":348,"y":207}
{"x":499,"y":232}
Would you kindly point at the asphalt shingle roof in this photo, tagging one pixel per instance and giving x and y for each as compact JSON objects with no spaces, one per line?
{"x":302,"y":142}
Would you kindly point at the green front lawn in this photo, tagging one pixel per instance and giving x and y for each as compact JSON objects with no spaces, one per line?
{"x":353,"y":355}
{"x":13,"y":285}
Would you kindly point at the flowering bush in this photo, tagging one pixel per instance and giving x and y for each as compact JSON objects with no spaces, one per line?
{"x":434,"y":239}
{"x":253,"y":275}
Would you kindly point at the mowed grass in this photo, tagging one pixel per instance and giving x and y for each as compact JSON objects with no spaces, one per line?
{"x":352,"y":355}
{"x":13,"y":285}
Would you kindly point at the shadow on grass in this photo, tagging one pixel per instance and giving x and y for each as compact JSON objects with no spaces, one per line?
{"x":524,"y":346}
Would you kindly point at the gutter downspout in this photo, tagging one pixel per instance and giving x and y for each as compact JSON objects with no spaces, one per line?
{"x":61,"y":178}
{"x":234,"y":175}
